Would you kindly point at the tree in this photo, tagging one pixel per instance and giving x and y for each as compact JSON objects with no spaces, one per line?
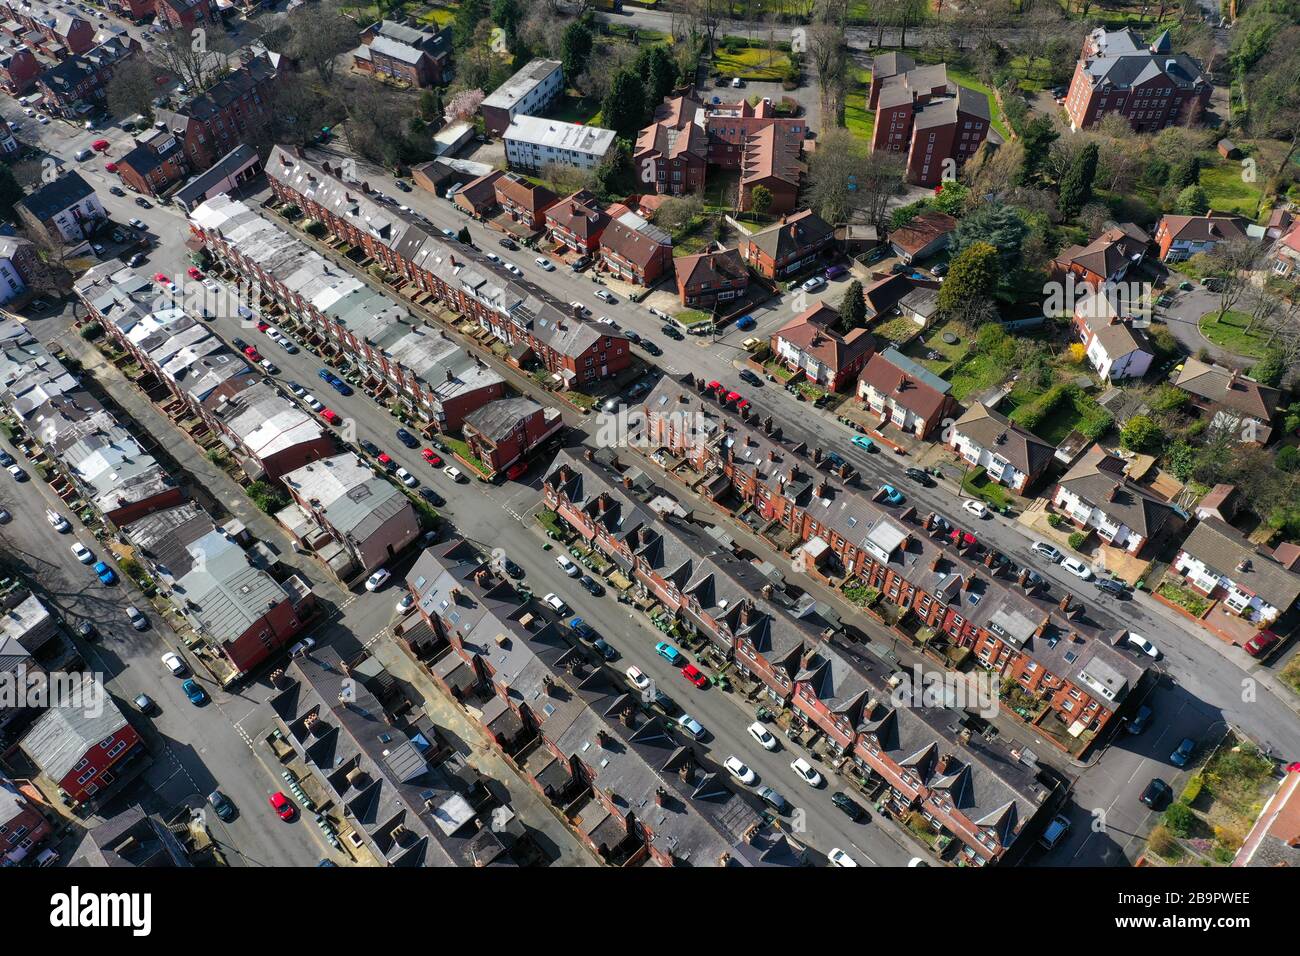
{"x":1185,"y":171}
{"x":10,"y":192}
{"x":1001,"y":226}
{"x":1192,"y":201}
{"x":565,"y":178}
{"x":132,"y":88}
{"x":677,"y":214}
{"x":826,"y":50}
{"x":575,"y":48}
{"x":1037,"y":141}
{"x":1288,"y":458}
{"x":318,"y":36}
{"x":431,"y":105}
{"x":1076,"y":187}
{"x":1231,"y":263}
{"x":1270,"y":369}
{"x":624,"y":108}
{"x":463,"y":105}
{"x":507,"y":15}
{"x":972,"y":276}
{"x":1274,"y":97}
{"x":658,"y":72}
{"x":1141,"y":433}
{"x":853,"y":308}
{"x":760,"y":200}
{"x":197,"y":57}
{"x":469,"y":14}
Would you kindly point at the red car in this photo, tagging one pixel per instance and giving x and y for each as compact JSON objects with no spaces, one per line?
{"x":330,"y":416}
{"x":194,"y":273}
{"x":99,"y":145}
{"x":733,"y":396}
{"x":263,"y":326}
{"x":742,"y":405}
{"x":251,"y":352}
{"x":431,"y":457}
{"x":959,"y":536}
{"x":283,"y":806}
{"x":693,"y":674}
{"x":714,"y":387}
{"x":1261,"y":644}
{"x":386,"y":461}
{"x":110,"y":167}
{"x":161,"y":277}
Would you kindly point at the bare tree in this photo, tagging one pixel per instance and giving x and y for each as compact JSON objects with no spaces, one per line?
{"x":1232,"y":263}
{"x":826,"y":51}
{"x":132,"y":88}
{"x":319,"y":36}
{"x":704,"y":18}
{"x":198,"y":57}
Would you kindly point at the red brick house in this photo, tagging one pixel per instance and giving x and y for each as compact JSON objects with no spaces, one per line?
{"x":1150,"y":86}
{"x":1108,"y":258}
{"x":134,"y":10}
{"x":905,"y":394}
{"x":81,"y":749}
{"x":936,"y":123}
{"x":419,"y":58}
{"x":638,"y":256}
{"x":809,"y":342}
{"x":673,"y":152}
{"x":216,"y":121}
{"x":525,"y":202}
{"x":18,"y":71}
{"x":155,"y":164}
{"x":22,"y":824}
{"x":52,"y":29}
{"x":187,"y":14}
{"x":772,"y":158}
{"x":478,"y":197}
{"x":710,"y":278}
{"x":79,"y":84}
{"x":788,"y":246}
{"x":1178,"y":238}
{"x":507,"y":431}
{"x":577,"y":222}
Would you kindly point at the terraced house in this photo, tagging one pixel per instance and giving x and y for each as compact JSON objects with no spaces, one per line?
{"x":789,"y":246}
{"x":55,"y":29}
{"x":79,"y":85}
{"x":234,"y":110}
{"x":574,"y":352}
{"x":977,"y":798}
{"x":963,"y":595}
{"x":608,"y":763}
{"x":634,"y":250}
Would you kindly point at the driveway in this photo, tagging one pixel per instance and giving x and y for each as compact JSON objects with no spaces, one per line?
{"x":1183,"y":318}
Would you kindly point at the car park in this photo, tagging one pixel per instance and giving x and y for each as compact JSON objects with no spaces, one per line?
{"x":977,"y":508}
{"x":194,"y":692}
{"x":1183,"y":752}
{"x":695,"y":675}
{"x":1156,"y":793}
{"x":378,"y":579}
{"x":838,"y":857}
{"x":669,"y":653}
{"x":737,"y":768}
{"x":1045,"y":550}
{"x":638,"y":679}
{"x":553,"y":600}
{"x":691,"y":726}
{"x":806,"y":772}
{"x":1077,"y":568}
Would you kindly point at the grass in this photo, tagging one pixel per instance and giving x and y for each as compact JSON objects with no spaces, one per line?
{"x":752,"y":63}
{"x":1291,"y":674}
{"x":689,"y":317}
{"x":975,"y":373}
{"x":1023,"y":68}
{"x":466,"y":454}
{"x":1229,"y":332}
{"x":896,"y":330}
{"x":1187,"y":599}
{"x":951,"y":355}
{"x":571,"y":108}
{"x":979,"y":484}
{"x":860,"y":121}
{"x":1224,"y":185}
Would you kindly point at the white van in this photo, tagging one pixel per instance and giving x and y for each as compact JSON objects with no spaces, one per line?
{"x":567,"y":566}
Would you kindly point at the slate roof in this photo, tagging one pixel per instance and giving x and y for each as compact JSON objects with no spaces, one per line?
{"x":497,"y":419}
{"x":1098,"y":478}
{"x":52,"y":198}
{"x":802,"y":230}
{"x":1232,"y":390}
{"x":1122,"y":61}
{"x":1228,"y":553}
{"x":1000,"y":436}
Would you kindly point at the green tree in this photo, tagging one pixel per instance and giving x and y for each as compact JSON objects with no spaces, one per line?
{"x":1141,"y":433}
{"x":1186,"y":171}
{"x":1076,"y":184}
{"x":1288,"y":458}
{"x":951,"y":198}
{"x":507,"y":15}
{"x":575,"y":47}
{"x":10,"y":191}
{"x":760,"y":200}
{"x":658,"y":72}
{"x":1037,"y":140}
{"x":1000,"y":226}
{"x":431,"y":105}
{"x":1192,"y":201}
{"x":972,"y":276}
{"x":469,"y":14}
{"x":853,"y":308}
{"x":624,"y":107}
{"x":1180,"y":819}
{"x":1270,"y":369}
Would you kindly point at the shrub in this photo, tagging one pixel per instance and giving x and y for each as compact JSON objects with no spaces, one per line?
{"x":1288,"y":458}
{"x":1077,"y":538}
{"x":1055,"y":520}
{"x":1180,"y":819}
{"x":1193,"y":789}
{"x":1163,"y":844}
{"x":92,"y":332}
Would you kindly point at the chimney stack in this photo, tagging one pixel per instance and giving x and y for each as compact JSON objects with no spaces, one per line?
{"x":1064,"y":603}
{"x":661,"y":796}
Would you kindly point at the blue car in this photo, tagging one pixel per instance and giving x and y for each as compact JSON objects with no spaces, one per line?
{"x":194,"y":692}
{"x":106,"y":575}
{"x":892,"y":495}
{"x":336,"y":383}
{"x":580,"y":627}
{"x":745,"y":323}
{"x":1184,"y":752}
{"x":669,"y":653}
{"x":407,"y":439}
{"x":863,"y":442}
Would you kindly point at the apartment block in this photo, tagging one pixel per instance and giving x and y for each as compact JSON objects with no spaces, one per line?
{"x":1149,"y":85}
{"x":533,"y":143}
{"x":527,"y":93}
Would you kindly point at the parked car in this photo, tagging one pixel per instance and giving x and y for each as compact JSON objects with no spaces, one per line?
{"x":454,"y":473}
{"x":750,"y":378}
{"x":407,"y":439}
{"x":1045,"y":550}
{"x":766,"y":739}
{"x":892,"y":496}
{"x":553,"y":601}
{"x":672,"y":332}
{"x":194,"y":692}
{"x":745,"y":323}
{"x":145,"y":704}
{"x":1262,"y":644}
{"x":82,"y":553}
{"x":605,"y":649}
{"x":919,"y":475}
{"x":283,"y":806}
{"x":406,"y":478}
{"x":695,"y":675}
{"x":431,"y":456}
{"x":57,"y":521}
{"x":691,"y":726}
{"x":1138,"y":722}
{"x":1055,"y":832}
{"x":806,"y":772}
{"x":172,"y":661}
{"x":546,"y":264}
{"x":736,"y":767}
{"x":221,"y":805}
{"x":651,"y":348}
{"x":567,"y":566}
{"x":302,"y":647}
{"x":851,"y":808}
{"x":105,"y":574}
{"x":863,"y":442}
{"x":1183,"y":752}
{"x":669,"y":653}
{"x":1111,"y":587}
{"x":591,"y":585}
{"x":838,"y":857}
{"x":638,"y":679}
{"x":773,"y":799}
{"x":1140,"y":643}
{"x":813,"y":284}
{"x":378,"y":579}
{"x":606,"y":296}
{"x":977,"y":508}
{"x":1156,"y":793}
{"x":1077,"y":568}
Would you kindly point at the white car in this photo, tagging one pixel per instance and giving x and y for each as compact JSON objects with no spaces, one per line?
{"x":378,"y":579}
{"x":839,"y":858}
{"x":606,"y":296}
{"x":406,"y":603}
{"x":492,"y":257}
{"x":764,"y":736}
{"x":454,"y":473}
{"x":29,"y":111}
{"x":806,"y":772}
{"x":83,"y":553}
{"x":269,"y":367}
{"x":1045,"y":550}
{"x":17,"y":473}
{"x":638,"y":679}
{"x":302,"y":647}
{"x":978,"y":508}
{"x":691,"y":726}
{"x":1077,"y":568}
{"x":58,"y":522}
{"x":406,"y":478}
{"x":513,"y":269}
{"x":606,"y":320}
{"x":546,"y":264}
{"x":136,"y":224}
{"x":567,"y":566}
{"x":172,"y":661}
{"x":1143,"y":645}
{"x":554,"y":601}
{"x":736,"y":767}
{"x":312,"y":402}
{"x":737,"y":82}
{"x":43,"y":120}
{"x":211,"y":285}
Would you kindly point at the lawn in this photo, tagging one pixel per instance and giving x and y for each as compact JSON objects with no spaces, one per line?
{"x":979,"y":484}
{"x":571,"y":108}
{"x":974,"y":374}
{"x":1229,"y":332}
{"x":439,"y":16}
{"x":1187,"y":599}
{"x":752,"y":63}
{"x":896,"y":330}
{"x":860,"y":121}
{"x":689,"y":317}
{"x":1225,"y":186}
{"x":1021,"y":66}
{"x":949,"y":355}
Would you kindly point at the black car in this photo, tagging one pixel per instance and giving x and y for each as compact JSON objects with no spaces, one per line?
{"x":651,"y":347}
{"x":117,"y":190}
{"x":822,"y":400}
{"x":672,"y":332}
{"x":239,"y":344}
{"x":369,"y":447}
{"x":580,"y":263}
{"x":920,"y":476}
{"x":1111,"y":587}
{"x":402,"y":185}
{"x":512,"y":569}
{"x":593,"y":586}
{"x":773,"y":799}
{"x":6,"y":459}
{"x":606,"y":651}
{"x":142,"y":202}
{"x":632,"y":337}
{"x":1156,"y":794}
{"x":665,"y":702}
{"x":222,"y":805}
{"x":850,"y":806}
{"x":750,"y":378}
{"x":86,"y":630}
{"x":431,"y":496}
{"x":407,"y":439}
{"x":135,"y":260}
{"x":508,"y":244}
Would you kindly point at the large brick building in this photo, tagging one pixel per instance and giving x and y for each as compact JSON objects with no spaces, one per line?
{"x":419,"y":58}
{"x":1150,"y":86}
{"x":83,"y":750}
{"x":789,"y":246}
{"x":936,"y":124}
{"x":230,"y":112}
